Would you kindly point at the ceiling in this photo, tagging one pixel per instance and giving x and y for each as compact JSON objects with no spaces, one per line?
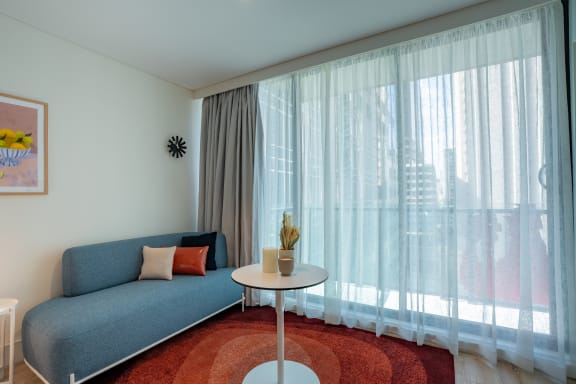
{"x":199,"y":43}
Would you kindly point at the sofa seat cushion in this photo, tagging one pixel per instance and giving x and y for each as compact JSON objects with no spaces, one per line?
{"x":84,"y":331}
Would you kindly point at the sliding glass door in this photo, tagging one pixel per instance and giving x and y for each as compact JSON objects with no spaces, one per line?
{"x":432,"y":179}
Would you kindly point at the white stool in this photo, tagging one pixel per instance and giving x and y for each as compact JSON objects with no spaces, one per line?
{"x":7,"y":308}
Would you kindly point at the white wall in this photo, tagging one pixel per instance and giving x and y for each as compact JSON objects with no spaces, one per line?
{"x":110,"y":175}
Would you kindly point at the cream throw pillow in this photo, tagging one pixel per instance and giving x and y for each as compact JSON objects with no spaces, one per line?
{"x":157,"y":263}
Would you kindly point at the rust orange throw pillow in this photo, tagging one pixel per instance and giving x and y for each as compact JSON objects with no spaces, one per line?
{"x":190,"y":261}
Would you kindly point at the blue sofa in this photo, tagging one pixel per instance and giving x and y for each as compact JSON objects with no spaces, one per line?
{"x":106,"y":315}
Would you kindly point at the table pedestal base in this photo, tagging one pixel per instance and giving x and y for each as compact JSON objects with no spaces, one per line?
{"x":293,"y":373}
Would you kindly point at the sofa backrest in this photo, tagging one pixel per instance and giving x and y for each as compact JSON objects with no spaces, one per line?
{"x":89,"y":268}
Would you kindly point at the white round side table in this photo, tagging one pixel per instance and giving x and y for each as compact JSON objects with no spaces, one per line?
{"x":7,"y":308}
{"x":304,"y":276}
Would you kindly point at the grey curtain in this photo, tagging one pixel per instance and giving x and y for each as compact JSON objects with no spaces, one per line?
{"x":227,"y":169}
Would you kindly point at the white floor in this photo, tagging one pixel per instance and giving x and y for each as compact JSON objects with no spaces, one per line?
{"x":474,"y":370}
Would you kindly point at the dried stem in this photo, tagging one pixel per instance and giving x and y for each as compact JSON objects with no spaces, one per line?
{"x":289,"y":234}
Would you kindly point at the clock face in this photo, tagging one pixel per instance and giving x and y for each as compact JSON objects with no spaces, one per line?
{"x":177,"y":146}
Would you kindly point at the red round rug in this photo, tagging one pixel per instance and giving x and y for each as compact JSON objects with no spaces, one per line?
{"x":224,"y":349}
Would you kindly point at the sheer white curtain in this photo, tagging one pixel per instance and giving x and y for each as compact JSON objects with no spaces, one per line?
{"x":432,"y":179}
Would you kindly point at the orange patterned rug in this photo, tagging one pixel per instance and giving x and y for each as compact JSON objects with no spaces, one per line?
{"x":224,"y":349}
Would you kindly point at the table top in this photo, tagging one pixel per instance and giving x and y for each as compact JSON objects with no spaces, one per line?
{"x":303,"y":276}
{"x":7,"y":304}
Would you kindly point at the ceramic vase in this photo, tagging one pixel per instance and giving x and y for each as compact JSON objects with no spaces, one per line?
{"x":286,"y":265}
{"x":285,"y":253}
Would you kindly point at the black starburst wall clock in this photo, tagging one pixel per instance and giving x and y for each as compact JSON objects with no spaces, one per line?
{"x":177,"y":146}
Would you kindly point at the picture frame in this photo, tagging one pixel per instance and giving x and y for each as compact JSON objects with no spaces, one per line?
{"x":23,"y":146}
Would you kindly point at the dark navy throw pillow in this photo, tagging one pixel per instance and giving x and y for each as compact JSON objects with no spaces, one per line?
{"x":208,"y":239}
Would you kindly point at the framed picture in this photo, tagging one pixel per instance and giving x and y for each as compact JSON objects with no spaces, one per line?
{"x":23,"y":146}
